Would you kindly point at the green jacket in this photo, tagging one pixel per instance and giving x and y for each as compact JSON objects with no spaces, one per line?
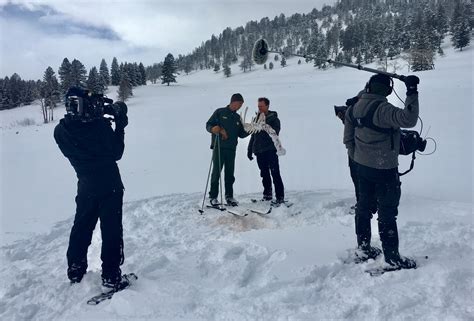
{"x":231,"y":122}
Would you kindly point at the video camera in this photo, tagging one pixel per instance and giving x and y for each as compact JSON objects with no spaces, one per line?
{"x":84,"y":104}
{"x":340,"y":109}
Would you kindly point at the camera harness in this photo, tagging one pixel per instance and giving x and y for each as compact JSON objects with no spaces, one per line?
{"x":408,"y":138}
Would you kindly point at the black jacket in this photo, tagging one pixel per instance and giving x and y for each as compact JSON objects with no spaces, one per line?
{"x":231,"y":122}
{"x":262,"y":142}
{"x":93,"y":148}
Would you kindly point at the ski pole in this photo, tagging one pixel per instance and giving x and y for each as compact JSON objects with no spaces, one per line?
{"x":207,"y":182}
{"x":220,"y":164}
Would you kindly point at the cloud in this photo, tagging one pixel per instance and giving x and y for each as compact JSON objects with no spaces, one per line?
{"x":46,"y":31}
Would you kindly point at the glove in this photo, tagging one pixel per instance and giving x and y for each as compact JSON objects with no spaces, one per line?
{"x":249,"y":155}
{"x":216,"y":130}
{"x":412,"y":84}
{"x":352,"y":101}
{"x":223,"y":134}
{"x":121,"y":122}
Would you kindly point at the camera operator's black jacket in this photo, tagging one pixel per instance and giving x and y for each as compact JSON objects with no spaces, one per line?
{"x":92,"y":148}
{"x":262,"y":142}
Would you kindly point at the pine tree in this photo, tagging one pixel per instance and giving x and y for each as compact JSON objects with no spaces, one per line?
{"x":227,"y":71}
{"x":217,"y":67}
{"x":299,"y":61}
{"x":137,"y":78}
{"x":115,"y":73}
{"x":265,"y":66}
{"x":460,"y":28}
{"x":169,"y":70}
{"x":125,"y":89}
{"x":153,"y":72}
{"x":246,"y":63}
{"x":276,"y":58}
{"x":141,"y":69}
{"x":339,"y":57}
{"x":78,"y":74}
{"x":94,"y":82}
{"x":64,"y":73}
{"x":188,"y":66}
{"x":104,"y":73}
{"x":104,"y":76}
{"x":421,"y":51}
{"x":49,"y":94}
{"x":270,"y":65}
{"x":283,"y":62}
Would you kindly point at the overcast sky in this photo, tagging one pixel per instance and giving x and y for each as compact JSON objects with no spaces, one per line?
{"x":38,"y":34}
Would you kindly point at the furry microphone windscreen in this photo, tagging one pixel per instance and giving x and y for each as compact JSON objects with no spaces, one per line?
{"x":260,"y":51}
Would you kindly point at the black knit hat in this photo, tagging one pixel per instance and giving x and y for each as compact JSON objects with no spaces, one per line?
{"x":236,"y":97}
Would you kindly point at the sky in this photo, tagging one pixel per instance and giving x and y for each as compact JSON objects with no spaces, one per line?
{"x":38,"y":34}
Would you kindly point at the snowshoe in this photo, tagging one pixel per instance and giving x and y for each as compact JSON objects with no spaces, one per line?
{"x":110,"y":287}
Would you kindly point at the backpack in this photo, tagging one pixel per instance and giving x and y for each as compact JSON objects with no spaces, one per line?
{"x":410,"y":140}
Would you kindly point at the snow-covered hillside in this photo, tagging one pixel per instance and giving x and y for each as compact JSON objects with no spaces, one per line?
{"x":286,"y":266}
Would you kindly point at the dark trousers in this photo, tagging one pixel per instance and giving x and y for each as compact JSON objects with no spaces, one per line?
{"x":91,"y":207}
{"x":269,"y":167}
{"x":227,"y":160}
{"x":355,"y":180}
{"x":384,"y":187}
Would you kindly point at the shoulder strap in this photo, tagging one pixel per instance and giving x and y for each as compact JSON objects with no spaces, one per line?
{"x":368,"y":119}
{"x":368,"y":122}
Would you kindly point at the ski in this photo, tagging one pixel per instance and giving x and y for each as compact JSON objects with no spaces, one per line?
{"x":262,"y":212}
{"x":273,"y":204}
{"x":217,"y":207}
{"x":236,"y":212}
{"x":131,"y":277}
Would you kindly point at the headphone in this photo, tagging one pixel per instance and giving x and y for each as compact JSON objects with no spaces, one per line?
{"x":372,"y":80}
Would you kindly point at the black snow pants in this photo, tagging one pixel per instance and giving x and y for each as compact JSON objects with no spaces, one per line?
{"x":384,"y":187}
{"x":92,"y":205}
{"x":269,"y":167}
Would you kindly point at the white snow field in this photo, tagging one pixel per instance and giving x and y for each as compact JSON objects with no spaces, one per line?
{"x":283,"y":266}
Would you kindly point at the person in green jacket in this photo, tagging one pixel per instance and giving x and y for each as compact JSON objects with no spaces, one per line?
{"x":227,"y":125}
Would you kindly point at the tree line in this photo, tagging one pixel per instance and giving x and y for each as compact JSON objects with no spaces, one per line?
{"x":353,"y":31}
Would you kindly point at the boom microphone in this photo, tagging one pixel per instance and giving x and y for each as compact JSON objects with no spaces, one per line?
{"x":260,"y":51}
{"x":260,"y":54}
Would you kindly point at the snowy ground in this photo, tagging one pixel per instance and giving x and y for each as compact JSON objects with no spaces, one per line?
{"x":286,"y":266}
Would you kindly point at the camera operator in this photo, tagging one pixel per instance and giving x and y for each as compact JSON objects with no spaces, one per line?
{"x":87,"y":139}
{"x":371,"y":128}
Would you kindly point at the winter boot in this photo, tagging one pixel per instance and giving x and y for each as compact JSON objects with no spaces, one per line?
{"x":231,"y":201}
{"x":278,"y":202}
{"x":114,"y":284}
{"x":398,"y":262}
{"x":267,"y":198}
{"x":76,"y":272}
{"x":366,"y":252}
{"x":214,"y":202}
